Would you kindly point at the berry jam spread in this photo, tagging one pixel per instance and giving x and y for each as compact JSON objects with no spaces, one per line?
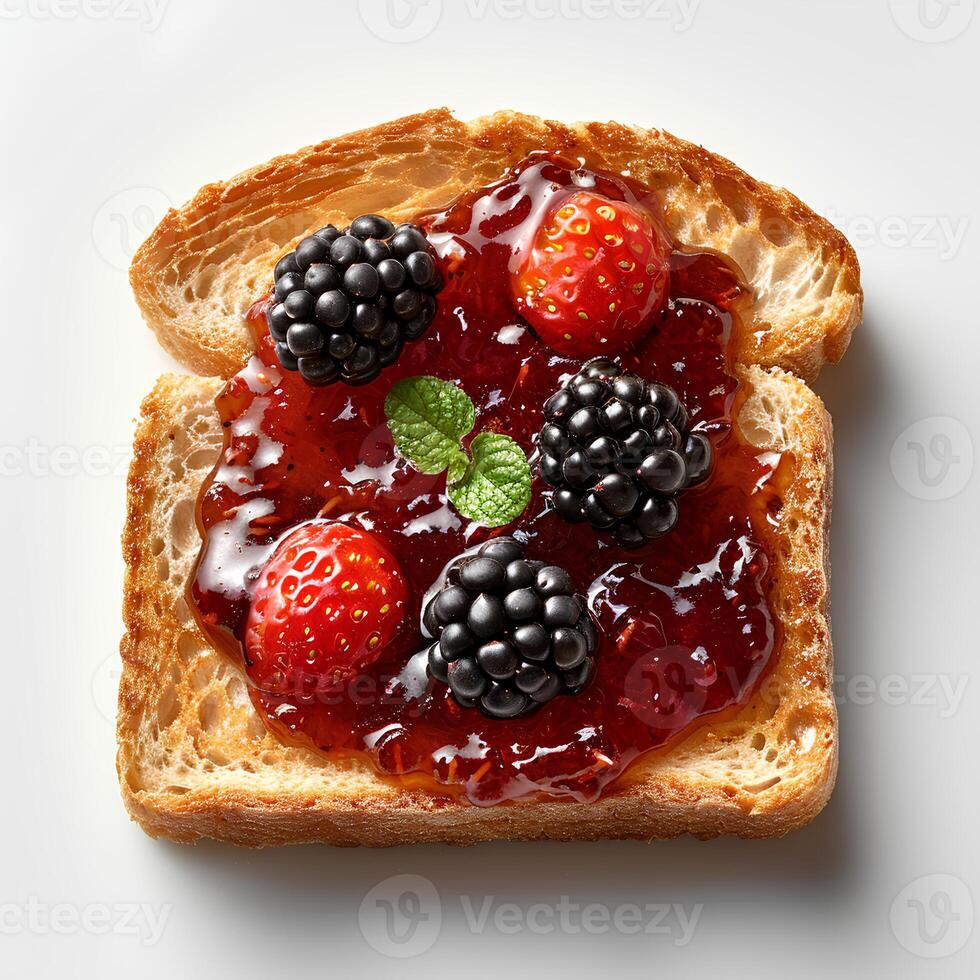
{"x":684,"y":624}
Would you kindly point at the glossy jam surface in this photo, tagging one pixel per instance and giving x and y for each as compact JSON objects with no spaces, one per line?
{"x":685,"y":625}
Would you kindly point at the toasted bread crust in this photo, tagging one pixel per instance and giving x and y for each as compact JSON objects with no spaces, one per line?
{"x":206,"y":262}
{"x":196,"y":761}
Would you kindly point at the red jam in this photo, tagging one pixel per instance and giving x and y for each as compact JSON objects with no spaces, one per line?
{"x":686,"y":626}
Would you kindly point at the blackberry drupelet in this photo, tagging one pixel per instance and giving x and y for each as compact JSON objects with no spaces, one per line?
{"x":347,"y":301}
{"x":510,"y":633}
{"x":618,"y":450}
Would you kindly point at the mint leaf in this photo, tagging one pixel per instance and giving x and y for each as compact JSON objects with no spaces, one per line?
{"x":428,"y":417}
{"x":496,"y":486}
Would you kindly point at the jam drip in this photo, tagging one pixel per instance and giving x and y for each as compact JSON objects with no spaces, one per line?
{"x":686,"y":626}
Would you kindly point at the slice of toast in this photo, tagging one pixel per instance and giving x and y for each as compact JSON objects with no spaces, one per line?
{"x":206,"y":263}
{"x":195,"y":759}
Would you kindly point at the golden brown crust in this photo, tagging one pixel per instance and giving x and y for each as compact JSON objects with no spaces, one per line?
{"x":195,"y":760}
{"x":206,"y":262}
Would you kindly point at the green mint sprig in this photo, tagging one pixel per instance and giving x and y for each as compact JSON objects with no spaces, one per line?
{"x":428,"y":418}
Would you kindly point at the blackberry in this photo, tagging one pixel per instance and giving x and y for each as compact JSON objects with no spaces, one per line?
{"x":510,"y":633}
{"x":347,"y":301}
{"x":618,"y":451}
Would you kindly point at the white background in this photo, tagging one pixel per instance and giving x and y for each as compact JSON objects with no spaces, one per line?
{"x":866,"y":110}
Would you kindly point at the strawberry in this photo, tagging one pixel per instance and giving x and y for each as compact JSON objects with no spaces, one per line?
{"x":596,"y":272}
{"x":325,"y":605}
